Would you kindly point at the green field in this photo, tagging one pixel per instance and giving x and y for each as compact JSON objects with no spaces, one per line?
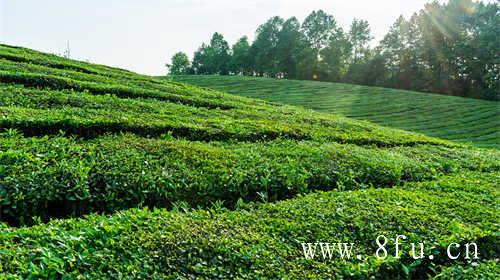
{"x":448,"y":117}
{"x":105,"y":173}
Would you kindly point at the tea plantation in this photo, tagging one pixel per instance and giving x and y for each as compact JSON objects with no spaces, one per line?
{"x":105,"y":173}
{"x":449,"y":117}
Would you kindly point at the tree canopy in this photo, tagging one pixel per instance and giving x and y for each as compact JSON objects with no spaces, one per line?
{"x":451,"y":48}
{"x":180,"y":64}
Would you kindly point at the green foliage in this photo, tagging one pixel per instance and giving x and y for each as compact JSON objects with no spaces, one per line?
{"x":264,"y":241}
{"x":230,"y":185}
{"x":448,"y":117}
{"x":319,"y":28}
{"x":53,"y":82}
{"x":335,"y":58}
{"x":103,"y":175}
{"x":213,"y":58}
{"x":264,"y":49}
{"x":240,"y":59}
{"x":450,"y":48}
{"x":179,"y":65}
{"x":291,"y":49}
{"x":359,"y":36}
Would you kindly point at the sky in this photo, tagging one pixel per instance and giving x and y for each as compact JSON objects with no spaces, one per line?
{"x":142,"y":35}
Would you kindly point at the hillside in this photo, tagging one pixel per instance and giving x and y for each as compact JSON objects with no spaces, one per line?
{"x":105,"y":173}
{"x":448,"y":117}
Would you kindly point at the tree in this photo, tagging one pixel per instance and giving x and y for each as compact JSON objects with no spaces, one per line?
{"x":213,"y":58}
{"x":359,"y":36}
{"x":179,"y":64}
{"x":264,"y":48}
{"x":240,"y":60}
{"x":201,"y":60}
{"x":483,"y":47}
{"x":335,"y":58}
{"x":291,"y":48}
{"x":398,"y":49}
{"x":220,"y":57}
{"x":435,"y":47}
{"x":473,"y":47}
{"x":450,"y":48}
{"x":370,"y":71}
{"x":319,"y":28}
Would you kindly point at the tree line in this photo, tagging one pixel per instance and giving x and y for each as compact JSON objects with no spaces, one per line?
{"x":451,"y":48}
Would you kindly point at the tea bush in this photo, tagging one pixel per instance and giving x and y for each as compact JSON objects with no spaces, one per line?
{"x":60,"y":176}
{"x":264,"y":240}
{"x":105,"y":173}
{"x":449,"y":117}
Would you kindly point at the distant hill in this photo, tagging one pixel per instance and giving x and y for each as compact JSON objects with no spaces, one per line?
{"x":448,"y":117}
{"x":108,"y":174}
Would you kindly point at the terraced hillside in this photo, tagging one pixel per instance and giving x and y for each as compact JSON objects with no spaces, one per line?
{"x":447,"y":117}
{"x":105,"y":173}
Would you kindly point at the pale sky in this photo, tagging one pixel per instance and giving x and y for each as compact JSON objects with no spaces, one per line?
{"x":142,"y":35}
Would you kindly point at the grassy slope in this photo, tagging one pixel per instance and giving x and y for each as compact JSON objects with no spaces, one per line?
{"x":82,"y":138}
{"x":447,"y":117}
